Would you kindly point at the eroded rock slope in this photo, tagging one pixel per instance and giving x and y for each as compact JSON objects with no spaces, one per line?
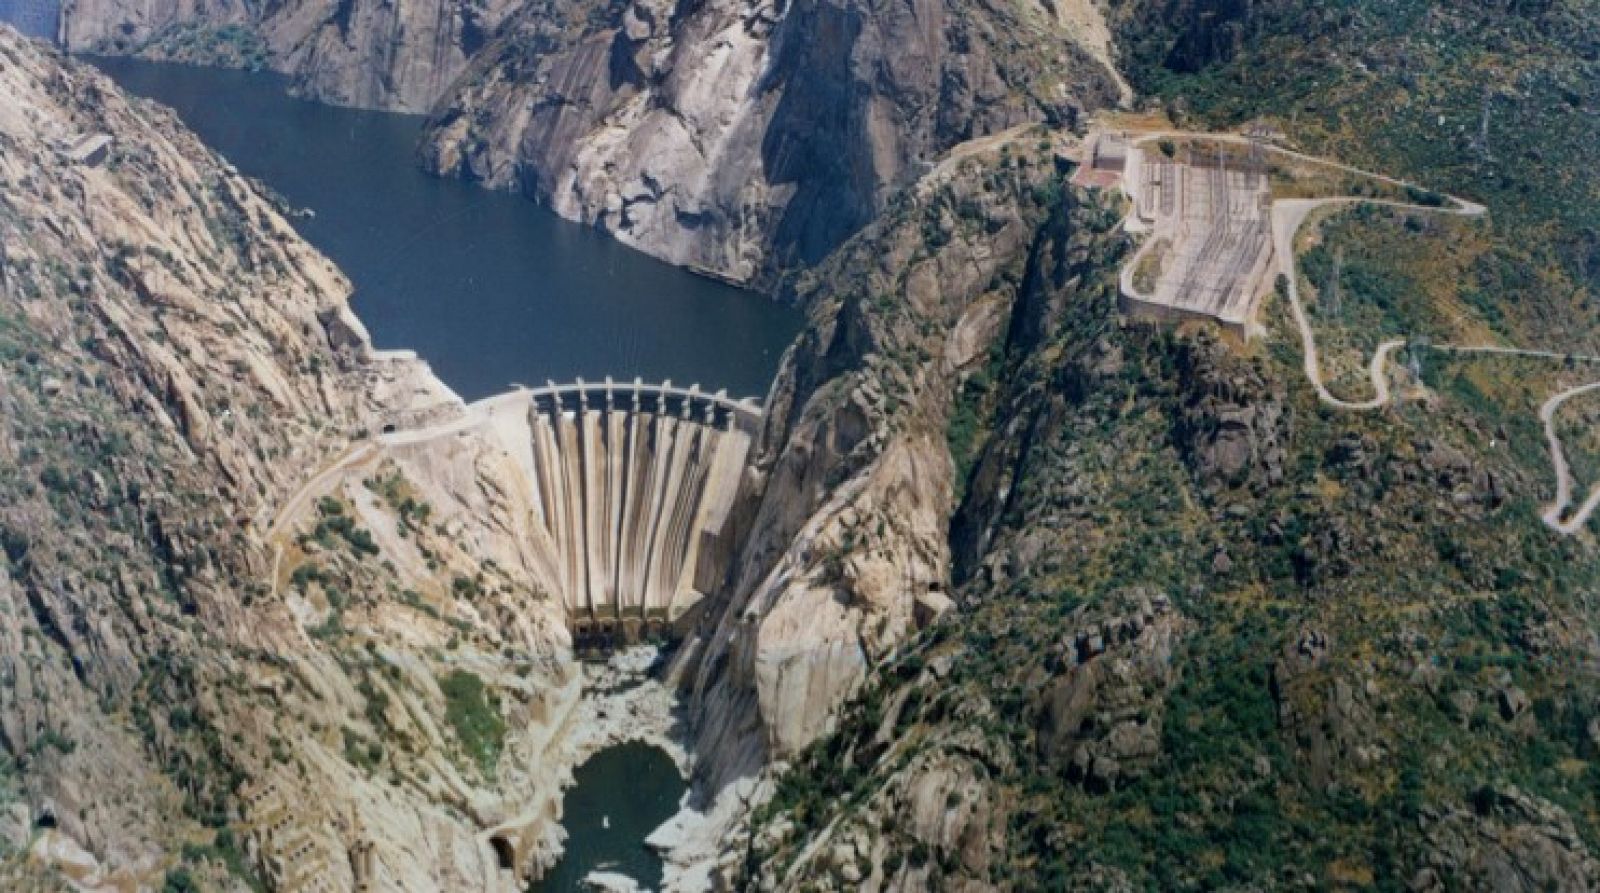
{"x":743,"y":136}
{"x":399,"y":56}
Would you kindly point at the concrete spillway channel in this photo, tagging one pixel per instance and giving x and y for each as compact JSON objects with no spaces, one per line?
{"x":633,"y":487}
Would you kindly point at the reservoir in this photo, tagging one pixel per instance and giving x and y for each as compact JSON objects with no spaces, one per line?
{"x":621,"y":795}
{"x":34,"y":18}
{"x":488,"y":287}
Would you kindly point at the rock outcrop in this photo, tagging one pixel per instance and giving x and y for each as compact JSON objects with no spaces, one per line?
{"x":1230,"y":437}
{"x":1100,"y":722}
{"x":363,"y":53}
{"x":1507,"y":840}
{"x":742,"y":137}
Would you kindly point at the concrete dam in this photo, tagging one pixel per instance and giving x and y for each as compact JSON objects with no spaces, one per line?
{"x":630,"y":490}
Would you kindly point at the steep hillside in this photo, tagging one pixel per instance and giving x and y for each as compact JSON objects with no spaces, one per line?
{"x":1209,"y":631}
{"x":846,"y":551}
{"x":743,"y":136}
{"x":1212,"y":634}
{"x":362,"y":52}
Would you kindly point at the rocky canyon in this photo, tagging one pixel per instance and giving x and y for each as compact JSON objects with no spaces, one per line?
{"x":203,"y":675}
{"x":1015,"y":588}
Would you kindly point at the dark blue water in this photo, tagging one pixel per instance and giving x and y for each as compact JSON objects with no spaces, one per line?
{"x":622,"y":794}
{"x":34,"y":18}
{"x":488,"y":287}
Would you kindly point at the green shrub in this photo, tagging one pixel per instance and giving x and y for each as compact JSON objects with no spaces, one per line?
{"x":477,"y":722}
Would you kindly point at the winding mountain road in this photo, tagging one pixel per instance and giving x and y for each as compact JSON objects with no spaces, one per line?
{"x":295,"y":505}
{"x":1289,"y":215}
{"x":1287,"y":218}
{"x":472,"y":415}
{"x":316,"y":486}
{"x":1553,"y":512}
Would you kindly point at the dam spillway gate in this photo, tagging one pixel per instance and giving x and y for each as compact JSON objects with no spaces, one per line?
{"x":633,"y":486}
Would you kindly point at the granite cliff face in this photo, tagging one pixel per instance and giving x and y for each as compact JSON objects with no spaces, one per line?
{"x":742,"y":137}
{"x":846,"y":552}
{"x":399,"y":56}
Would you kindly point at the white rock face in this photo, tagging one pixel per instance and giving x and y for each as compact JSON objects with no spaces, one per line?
{"x":823,"y":614}
{"x":740,"y":137}
{"x":660,"y":163}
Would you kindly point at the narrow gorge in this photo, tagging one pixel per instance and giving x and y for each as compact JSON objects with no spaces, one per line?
{"x":817,"y":445}
{"x":363,"y":680}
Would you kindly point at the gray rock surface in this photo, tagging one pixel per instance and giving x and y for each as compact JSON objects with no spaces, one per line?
{"x":1508,"y":841}
{"x":1101,"y":718}
{"x":743,"y":136}
{"x":366,"y":53}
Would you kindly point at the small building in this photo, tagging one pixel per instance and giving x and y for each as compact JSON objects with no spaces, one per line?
{"x":1110,"y":154}
{"x":90,"y":149}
